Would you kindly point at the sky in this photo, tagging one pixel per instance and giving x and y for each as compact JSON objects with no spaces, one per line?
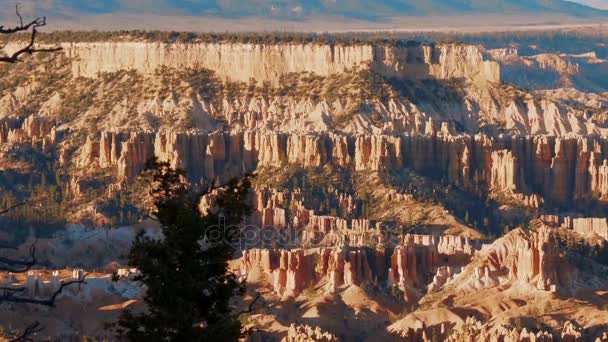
{"x":201,"y":15}
{"x":197,"y":6}
{"x":602,"y":4}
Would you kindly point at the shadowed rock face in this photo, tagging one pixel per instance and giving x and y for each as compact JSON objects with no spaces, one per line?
{"x":583,"y":71}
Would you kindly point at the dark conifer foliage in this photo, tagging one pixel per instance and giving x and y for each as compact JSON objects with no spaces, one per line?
{"x":188,"y":286}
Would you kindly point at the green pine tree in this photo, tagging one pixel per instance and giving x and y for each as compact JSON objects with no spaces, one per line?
{"x":188,"y":286}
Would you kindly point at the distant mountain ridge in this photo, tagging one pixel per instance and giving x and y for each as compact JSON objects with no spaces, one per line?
{"x":294,"y":9}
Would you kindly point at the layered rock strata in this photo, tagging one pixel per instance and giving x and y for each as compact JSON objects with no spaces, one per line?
{"x":474,"y":330}
{"x":530,"y":258}
{"x":268,"y":62}
{"x":589,"y":227}
{"x":560,"y":169}
{"x":34,"y":130}
{"x":409,"y":267}
{"x":305,"y":333}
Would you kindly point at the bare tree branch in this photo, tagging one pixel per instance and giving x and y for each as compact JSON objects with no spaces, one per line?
{"x":250,"y":308}
{"x":4,"y":211}
{"x":38,"y":22}
{"x":29,"y":49}
{"x":19,"y":14}
{"x":11,"y":298}
{"x":12,"y":293}
{"x":30,"y":330}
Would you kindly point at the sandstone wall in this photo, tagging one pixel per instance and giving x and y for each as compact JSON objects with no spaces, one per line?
{"x":441,"y":61}
{"x":588,"y":226}
{"x":298,"y":333}
{"x":562,"y":170}
{"x":474,"y":330}
{"x":528,"y":257}
{"x":410,"y":267}
{"x":270,"y":61}
{"x":34,"y":130}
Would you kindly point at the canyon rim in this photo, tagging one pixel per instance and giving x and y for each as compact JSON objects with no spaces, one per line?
{"x":407,"y":186}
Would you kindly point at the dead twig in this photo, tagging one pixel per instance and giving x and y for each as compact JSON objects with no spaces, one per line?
{"x":28,"y":49}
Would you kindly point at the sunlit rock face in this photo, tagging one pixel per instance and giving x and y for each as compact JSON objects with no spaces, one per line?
{"x":270,"y":62}
{"x":560,"y":169}
{"x":390,"y":179}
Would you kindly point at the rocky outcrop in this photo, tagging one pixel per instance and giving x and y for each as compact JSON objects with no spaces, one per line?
{"x":410,"y":263}
{"x":89,"y":153}
{"x":135,"y":152}
{"x":598,"y":174}
{"x":268,"y":62}
{"x":275,"y":217}
{"x":377,"y":152}
{"x":527,"y":168}
{"x":324,"y":224}
{"x":345,"y":238}
{"x":351,"y":266}
{"x":504,"y":171}
{"x":446,"y":244}
{"x":551,"y":70}
{"x":530,"y":258}
{"x":306,"y":150}
{"x":553,"y":62}
{"x":472,"y":329}
{"x":561,"y":169}
{"x":289,"y":277}
{"x":332,"y":264}
{"x":35,"y":130}
{"x":588,"y":226}
{"x":305,"y":333}
{"x":444,"y":275}
{"x":410,"y":267}
{"x":571,"y":333}
{"x":261,"y":62}
{"x":290,"y":271}
{"x":43,"y":284}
